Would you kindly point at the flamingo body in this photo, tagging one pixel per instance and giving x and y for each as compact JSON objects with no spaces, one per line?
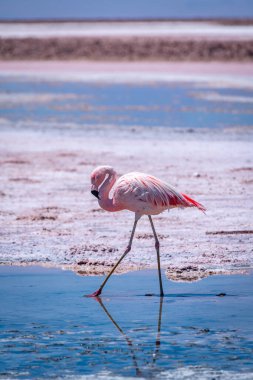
{"x":146,"y":195}
{"x":140,"y":193}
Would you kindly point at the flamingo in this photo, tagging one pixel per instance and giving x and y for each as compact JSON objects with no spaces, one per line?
{"x":140,"y":193}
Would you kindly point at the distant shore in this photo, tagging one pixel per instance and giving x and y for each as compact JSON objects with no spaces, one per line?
{"x":125,"y":49}
{"x":219,"y":40}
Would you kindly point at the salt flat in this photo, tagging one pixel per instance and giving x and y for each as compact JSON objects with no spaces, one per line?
{"x":186,"y":29}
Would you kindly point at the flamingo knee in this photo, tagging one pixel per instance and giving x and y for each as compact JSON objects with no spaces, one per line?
{"x":128,"y":249}
{"x":157,"y":245}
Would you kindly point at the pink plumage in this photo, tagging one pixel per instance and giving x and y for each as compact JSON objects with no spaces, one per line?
{"x":140,"y":193}
{"x":137,"y":192}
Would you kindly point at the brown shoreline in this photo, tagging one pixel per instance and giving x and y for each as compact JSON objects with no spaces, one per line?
{"x":126,"y":49}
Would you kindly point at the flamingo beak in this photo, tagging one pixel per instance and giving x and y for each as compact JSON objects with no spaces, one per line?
{"x":95,"y":193}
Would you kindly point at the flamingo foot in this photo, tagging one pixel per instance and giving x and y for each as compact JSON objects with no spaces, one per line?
{"x":95,"y":294}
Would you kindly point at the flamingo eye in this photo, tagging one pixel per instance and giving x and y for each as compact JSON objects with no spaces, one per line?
{"x":97,"y":178}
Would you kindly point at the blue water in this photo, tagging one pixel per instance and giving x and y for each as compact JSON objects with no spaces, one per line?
{"x":119,"y":9}
{"x":48,"y":329}
{"x":95,"y":106}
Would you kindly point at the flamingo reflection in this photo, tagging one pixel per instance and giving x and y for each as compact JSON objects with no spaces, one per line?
{"x":129,"y":341}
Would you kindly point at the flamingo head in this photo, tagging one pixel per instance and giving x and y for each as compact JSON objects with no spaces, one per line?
{"x":98,"y":176}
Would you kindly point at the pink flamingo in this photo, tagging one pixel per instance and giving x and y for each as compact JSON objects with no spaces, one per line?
{"x":140,"y":193}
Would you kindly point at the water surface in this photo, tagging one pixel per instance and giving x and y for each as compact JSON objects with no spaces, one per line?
{"x":94,"y":106}
{"x":134,"y":9}
{"x":49,"y":329}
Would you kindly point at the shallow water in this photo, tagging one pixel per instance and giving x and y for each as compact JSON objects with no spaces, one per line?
{"x":91,"y":107}
{"x":112,"y":9}
{"x":49,"y":330}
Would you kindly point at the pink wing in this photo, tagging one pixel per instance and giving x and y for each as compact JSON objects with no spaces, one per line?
{"x":149,"y":189}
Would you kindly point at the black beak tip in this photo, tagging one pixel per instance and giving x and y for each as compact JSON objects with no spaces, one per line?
{"x":95,"y":193}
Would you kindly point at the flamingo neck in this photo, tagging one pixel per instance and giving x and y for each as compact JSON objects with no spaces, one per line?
{"x":105,"y":202}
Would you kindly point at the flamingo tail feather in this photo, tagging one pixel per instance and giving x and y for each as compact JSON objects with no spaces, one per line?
{"x":195,"y":203}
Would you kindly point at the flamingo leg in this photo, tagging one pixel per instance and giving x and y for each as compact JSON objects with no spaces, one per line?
{"x":128,"y":249}
{"x":157,"y":247}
